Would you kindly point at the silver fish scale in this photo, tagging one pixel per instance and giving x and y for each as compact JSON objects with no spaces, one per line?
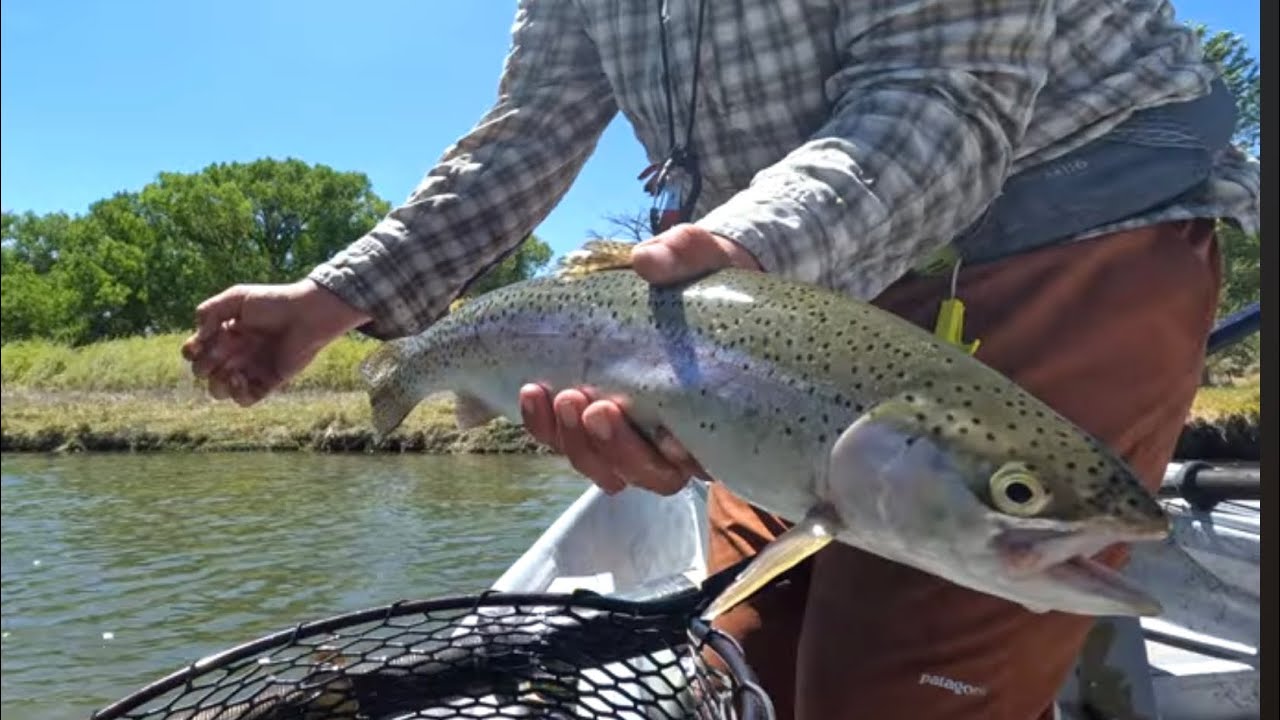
{"x":743,"y":366}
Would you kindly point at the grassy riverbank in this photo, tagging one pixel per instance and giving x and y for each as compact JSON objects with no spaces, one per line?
{"x":137,"y":394}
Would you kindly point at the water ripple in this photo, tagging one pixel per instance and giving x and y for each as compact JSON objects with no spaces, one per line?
{"x":115,"y":570}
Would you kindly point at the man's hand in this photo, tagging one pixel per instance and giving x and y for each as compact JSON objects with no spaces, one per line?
{"x":595,"y":434}
{"x":250,"y":339}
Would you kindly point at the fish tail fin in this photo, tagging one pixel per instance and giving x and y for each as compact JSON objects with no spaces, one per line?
{"x":391,"y":398}
{"x":597,"y":256}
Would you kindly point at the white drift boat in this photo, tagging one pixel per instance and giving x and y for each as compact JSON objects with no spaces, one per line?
{"x":1196,"y":662}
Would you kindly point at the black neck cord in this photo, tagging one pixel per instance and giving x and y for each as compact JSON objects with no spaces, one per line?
{"x":674,"y":149}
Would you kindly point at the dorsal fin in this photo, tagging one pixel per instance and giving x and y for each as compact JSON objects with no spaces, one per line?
{"x":596,"y":256}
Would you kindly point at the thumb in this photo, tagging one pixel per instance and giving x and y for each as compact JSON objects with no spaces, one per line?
{"x":685,"y":252}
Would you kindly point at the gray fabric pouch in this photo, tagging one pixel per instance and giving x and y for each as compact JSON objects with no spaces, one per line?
{"x":1147,"y":161}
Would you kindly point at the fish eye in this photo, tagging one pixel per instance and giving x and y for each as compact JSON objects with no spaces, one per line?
{"x":1017,"y":491}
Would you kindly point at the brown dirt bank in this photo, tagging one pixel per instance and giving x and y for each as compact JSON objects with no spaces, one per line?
{"x":36,"y":421}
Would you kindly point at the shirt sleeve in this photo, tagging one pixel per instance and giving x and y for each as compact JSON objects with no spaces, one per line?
{"x":492,"y":187}
{"x":930,"y":101}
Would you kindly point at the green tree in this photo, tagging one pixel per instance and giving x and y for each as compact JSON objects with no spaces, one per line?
{"x":302,"y":214}
{"x":264,"y":221}
{"x":35,"y":239}
{"x":140,"y":262}
{"x":1240,"y":71}
{"x":34,"y":302}
{"x":1241,"y":260}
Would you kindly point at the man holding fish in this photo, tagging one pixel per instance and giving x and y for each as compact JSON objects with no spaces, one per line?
{"x":1058,"y":166}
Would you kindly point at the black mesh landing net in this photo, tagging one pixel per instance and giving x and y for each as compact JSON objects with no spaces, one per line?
{"x":488,"y":656}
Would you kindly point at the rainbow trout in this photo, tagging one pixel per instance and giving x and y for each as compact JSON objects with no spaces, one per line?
{"x":846,"y":420}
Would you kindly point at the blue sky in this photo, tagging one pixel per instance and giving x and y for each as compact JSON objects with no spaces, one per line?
{"x":98,"y":97}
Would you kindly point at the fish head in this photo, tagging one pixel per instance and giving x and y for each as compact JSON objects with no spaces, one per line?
{"x":1016,"y":505}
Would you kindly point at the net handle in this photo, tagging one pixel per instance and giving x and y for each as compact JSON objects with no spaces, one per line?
{"x":754,"y":703}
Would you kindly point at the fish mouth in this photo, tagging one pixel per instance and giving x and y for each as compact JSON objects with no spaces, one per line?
{"x":1064,"y":553}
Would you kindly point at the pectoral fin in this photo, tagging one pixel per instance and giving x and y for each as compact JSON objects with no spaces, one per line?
{"x":807,"y":537}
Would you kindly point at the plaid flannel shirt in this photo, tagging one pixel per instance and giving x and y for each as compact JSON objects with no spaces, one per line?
{"x":841,"y":141}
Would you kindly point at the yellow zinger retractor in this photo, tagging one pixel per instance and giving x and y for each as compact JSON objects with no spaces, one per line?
{"x":950,"y":324}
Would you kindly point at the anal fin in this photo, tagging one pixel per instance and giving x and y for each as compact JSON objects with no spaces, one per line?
{"x":470,"y":411}
{"x":792,"y":547}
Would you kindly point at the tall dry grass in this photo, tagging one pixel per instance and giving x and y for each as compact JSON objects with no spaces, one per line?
{"x":153,"y":363}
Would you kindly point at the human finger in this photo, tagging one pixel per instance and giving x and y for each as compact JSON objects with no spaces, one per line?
{"x":226,"y":350}
{"x":210,"y":315}
{"x":538,"y":415}
{"x":629,"y":455}
{"x":573,"y":442}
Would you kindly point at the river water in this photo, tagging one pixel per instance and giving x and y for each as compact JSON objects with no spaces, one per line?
{"x":118,"y":569}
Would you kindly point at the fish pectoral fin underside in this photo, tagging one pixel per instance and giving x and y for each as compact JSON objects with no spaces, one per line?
{"x":814,"y":532}
{"x":470,"y":411}
{"x":596,"y":256}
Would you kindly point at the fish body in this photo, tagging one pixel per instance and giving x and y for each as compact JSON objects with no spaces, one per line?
{"x":824,"y":410}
